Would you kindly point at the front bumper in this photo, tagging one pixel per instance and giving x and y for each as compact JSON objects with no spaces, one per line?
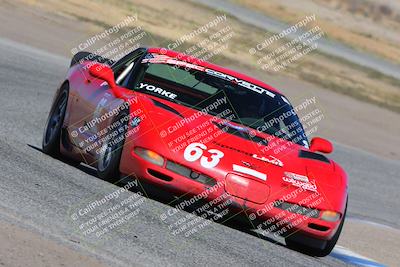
{"x":265,"y":216}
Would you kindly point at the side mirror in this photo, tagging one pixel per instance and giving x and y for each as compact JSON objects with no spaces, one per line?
{"x":319,"y":144}
{"x":103,"y":72}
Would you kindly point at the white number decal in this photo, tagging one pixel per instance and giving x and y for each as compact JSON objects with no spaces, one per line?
{"x":215,"y":157}
{"x":195,"y":151}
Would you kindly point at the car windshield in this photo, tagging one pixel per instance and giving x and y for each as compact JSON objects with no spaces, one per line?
{"x":221,"y":94}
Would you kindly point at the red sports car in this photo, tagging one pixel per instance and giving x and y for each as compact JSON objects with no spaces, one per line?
{"x":195,"y":128}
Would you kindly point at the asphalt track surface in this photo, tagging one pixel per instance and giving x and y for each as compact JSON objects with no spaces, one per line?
{"x":38,"y":191}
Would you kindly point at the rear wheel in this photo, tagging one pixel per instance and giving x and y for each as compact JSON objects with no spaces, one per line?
{"x":52,"y":132}
{"x":110,"y":152}
{"x":312,"y":246}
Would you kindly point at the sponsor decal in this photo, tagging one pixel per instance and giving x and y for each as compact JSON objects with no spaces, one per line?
{"x":163,"y":59}
{"x":299,"y":181}
{"x":246,"y":163}
{"x":135,"y":122}
{"x":296,"y":176}
{"x":270,"y":159}
{"x":240,"y":82}
{"x":248,"y":171}
{"x":157,"y":90}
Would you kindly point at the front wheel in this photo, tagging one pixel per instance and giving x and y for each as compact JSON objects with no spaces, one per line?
{"x":110,"y":152}
{"x":315,"y":247}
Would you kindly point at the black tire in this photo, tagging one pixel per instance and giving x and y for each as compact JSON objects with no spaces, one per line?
{"x":52,"y":131}
{"x":292,"y":242}
{"x":110,"y":153}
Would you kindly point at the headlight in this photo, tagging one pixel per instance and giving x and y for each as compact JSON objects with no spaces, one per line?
{"x":330,"y":216}
{"x":150,"y":156}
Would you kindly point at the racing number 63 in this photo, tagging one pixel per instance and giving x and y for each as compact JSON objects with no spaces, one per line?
{"x":195,"y":151}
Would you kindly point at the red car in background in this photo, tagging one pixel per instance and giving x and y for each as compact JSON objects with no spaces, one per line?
{"x":195,"y":128}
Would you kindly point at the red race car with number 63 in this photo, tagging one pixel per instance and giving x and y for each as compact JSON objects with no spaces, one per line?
{"x":200,"y":130}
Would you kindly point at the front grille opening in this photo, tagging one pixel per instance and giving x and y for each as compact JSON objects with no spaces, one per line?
{"x":159,"y":175}
{"x":189,"y":173}
{"x":318,"y":227}
{"x":294,"y":208}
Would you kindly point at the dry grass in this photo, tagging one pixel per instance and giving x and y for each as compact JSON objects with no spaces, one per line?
{"x":167,"y":21}
{"x":369,"y":26}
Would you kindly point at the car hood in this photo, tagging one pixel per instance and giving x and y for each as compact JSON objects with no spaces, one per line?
{"x":179,"y":126}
